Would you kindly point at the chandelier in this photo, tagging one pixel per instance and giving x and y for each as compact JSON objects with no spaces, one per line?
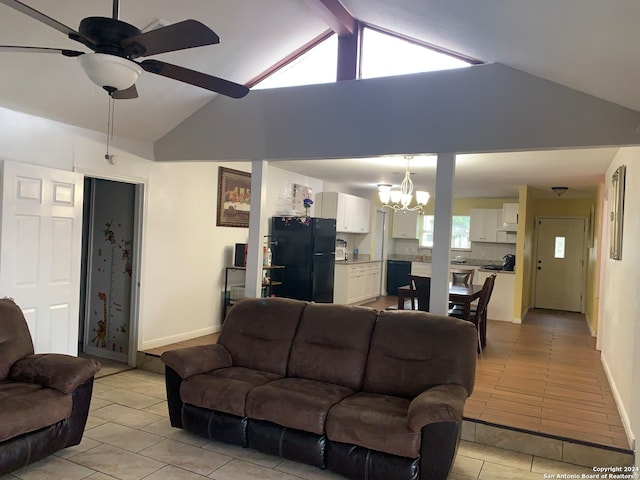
{"x":400,"y":199}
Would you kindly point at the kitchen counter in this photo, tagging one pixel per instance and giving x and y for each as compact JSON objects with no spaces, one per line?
{"x":472,"y":262}
{"x":354,"y":260}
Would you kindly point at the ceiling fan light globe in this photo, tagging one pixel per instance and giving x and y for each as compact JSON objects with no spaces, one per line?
{"x":109,"y":71}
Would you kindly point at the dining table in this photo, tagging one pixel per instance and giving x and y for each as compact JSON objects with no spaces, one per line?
{"x":462,"y":294}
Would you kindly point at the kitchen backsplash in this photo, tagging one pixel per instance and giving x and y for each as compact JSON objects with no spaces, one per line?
{"x":484,"y":251}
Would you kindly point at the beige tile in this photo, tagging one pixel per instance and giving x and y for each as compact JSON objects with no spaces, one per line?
{"x":466,"y":466}
{"x":307,"y":471}
{"x":97,"y":402}
{"x":246,"y":454}
{"x":126,"y":416}
{"x":99,"y":476}
{"x":239,"y":470}
{"x":519,"y":441}
{"x":118,"y":463}
{"x":594,"y":457}
{"x":159,"y":409}
{"x":455,"y":476}
{"x":164,"y":429}
{"x":94,"y":421}
{"x":174,"y":473}
{"x":493,"y":471}
{"x":130,"y":439}
{"x":53,"y":467}
{"x":551,"y":467}
{"x":86,"y":444}
{"x":186,"y":456}
{"x":128,"y":398}
{"x":468,"y":431}
{"x":495,"y":455}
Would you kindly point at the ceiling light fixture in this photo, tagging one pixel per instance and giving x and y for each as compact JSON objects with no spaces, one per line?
{"x":400,"y":199}
{"x":110,"y":71}
{"x":559,"y":191}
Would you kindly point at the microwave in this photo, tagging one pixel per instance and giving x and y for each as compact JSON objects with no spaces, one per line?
{"x":341,"y":254}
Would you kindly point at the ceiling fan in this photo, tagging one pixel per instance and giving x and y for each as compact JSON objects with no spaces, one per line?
{"x":116,"y":44}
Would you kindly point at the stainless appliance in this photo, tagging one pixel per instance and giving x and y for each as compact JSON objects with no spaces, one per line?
{"x":306,"y":249}
{"x":341,"y":250}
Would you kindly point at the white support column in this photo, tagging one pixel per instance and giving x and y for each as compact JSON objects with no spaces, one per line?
{"x":442,"y":233}
{"x":257,"y":229}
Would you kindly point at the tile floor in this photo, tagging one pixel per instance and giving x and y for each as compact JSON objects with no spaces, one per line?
{"x":128,"y":437}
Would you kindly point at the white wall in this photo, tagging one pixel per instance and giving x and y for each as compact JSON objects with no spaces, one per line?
{"x":620,"y":302}
{"x":183,"y":252}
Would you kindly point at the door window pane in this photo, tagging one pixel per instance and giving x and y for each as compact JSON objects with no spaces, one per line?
{"x":559,"y":248}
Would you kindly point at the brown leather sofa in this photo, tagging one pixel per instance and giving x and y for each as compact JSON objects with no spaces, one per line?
{"x":369,"y":395}
{"x":44,"y":398}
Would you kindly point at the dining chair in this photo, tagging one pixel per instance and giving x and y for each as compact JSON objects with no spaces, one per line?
{"x":420,"y":288}
{"x":462,"y":276}
{"x":479,"y":314}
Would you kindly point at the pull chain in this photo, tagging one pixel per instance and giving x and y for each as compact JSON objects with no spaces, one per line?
{"x":110,"y":117}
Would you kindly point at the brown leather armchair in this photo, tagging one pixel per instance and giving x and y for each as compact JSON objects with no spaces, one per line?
{"x":44,"y":398}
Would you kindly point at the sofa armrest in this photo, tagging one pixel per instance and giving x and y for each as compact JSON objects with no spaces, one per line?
{"x":61,"y":372}
{"x":442,"y":403}
{"x":194,"y":360}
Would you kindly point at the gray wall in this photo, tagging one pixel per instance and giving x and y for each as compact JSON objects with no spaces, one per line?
{"x":476,"y":109}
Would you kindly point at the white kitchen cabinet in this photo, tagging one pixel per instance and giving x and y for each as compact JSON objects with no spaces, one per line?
{"x":484,"y":225}
{"x":405,"y":225}
{"x":510,"y":213}
{"x":352,"y":213}
{"x":502,"y":299}
{"x":356,"y":283}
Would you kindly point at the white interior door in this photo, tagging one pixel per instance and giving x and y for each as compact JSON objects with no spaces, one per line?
{"x":560,"y":263}
{"x":40,"y":245}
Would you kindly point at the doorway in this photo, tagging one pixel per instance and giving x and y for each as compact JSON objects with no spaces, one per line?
{"x":110,"y":253}
{"x":560,"y":264}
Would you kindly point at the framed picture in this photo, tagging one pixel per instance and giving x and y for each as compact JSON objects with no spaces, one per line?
{"x":234,"y":198}
{"x":616,"y":212}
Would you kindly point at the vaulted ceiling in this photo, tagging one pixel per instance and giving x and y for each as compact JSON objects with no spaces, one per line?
{"x":588,"y":46}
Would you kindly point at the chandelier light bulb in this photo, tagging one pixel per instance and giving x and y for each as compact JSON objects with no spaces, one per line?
{"x":399,"y":199}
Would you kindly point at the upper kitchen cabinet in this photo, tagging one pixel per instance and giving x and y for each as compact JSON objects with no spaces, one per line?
{"x":484,"y":225}
{"x":352,"y":213}
{"x":510,"y":213}
{"x":405,"y":225}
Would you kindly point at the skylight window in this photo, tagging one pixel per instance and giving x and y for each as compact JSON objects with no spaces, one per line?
{"x":318,"y":65}
{"x":384,"y":55}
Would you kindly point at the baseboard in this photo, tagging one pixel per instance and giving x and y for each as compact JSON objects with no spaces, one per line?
{"x":616,"y":395}
{"x":160,"y":342}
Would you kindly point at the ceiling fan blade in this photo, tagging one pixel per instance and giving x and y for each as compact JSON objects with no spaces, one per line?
{"x":25,"y":49}
{"x":178,"y":36}
{"x":126,"y":94}
{"x":199,"y":79}
{"x":41,"y":17}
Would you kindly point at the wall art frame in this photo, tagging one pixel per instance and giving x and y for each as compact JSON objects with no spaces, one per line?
{"x":234,"y":198}
{"x":616,"y":212}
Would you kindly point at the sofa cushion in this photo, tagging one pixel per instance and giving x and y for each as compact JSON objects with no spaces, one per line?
{"x":15,"y":339}
{"x":258,"y":332}
{"x":26,"y":407}
{"x":224,"y":390}
{"x":295,"y":403}
{"x":332,"y":344}
{"x":375,"y":421}
{"x":413,"y":351}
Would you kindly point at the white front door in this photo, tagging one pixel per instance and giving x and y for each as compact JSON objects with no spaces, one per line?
{"x":40,"y":244}
{"x":560,"y":263}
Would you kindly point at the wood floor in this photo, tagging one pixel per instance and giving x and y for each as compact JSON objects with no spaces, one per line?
{"x":542,"y":376}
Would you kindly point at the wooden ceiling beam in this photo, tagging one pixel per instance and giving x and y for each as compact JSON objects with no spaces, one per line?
{"x":335,"y":15}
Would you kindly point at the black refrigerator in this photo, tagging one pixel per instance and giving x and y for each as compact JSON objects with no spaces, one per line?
{"x":306,"y":248}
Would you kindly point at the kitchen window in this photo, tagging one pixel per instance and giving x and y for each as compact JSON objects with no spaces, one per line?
{"x":460,"y":225}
